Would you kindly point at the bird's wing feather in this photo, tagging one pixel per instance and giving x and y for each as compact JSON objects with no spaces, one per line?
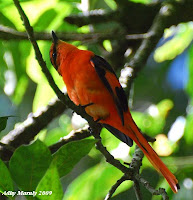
{"x":110,"y":80}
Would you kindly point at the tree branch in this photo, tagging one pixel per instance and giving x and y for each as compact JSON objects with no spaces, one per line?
{"x":95,"y":130}
{"x":136,"y":163}
{"x":115,"y":186}
{"x":38,"y":54}
{"x":27,"y":130}
{"x":137,"y":190}
{"x":153,"y":191}
{"x":142,"y":15}
{"x":7,"y":33}
{"x":64,"y":99}
{"x":72,"y":136}
{"x":164,"y":19}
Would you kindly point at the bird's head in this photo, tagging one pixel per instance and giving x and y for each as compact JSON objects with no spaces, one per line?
{"x":54,"y":53}
{"x":59,"y":51}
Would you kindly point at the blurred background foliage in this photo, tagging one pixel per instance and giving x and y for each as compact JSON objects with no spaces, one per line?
{"x":162,"y":100}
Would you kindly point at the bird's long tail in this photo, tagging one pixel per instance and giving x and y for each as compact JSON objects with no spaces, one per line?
{"x":136,"y":135}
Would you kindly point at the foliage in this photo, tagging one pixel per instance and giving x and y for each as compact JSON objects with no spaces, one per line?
{"x":162,"y":93}
{"x":41,"y":172}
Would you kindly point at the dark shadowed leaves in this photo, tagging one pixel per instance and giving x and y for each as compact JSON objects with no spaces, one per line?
{"x":29,"y":164}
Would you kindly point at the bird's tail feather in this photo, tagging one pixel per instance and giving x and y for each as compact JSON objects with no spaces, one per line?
{"x":152,"y":156}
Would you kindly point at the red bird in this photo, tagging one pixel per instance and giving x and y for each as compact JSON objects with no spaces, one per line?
{"x":92,"y":83}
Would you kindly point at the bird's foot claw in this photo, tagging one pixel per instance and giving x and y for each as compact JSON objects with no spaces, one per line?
{"x":84,"y":106}
{"x":98,"y":120}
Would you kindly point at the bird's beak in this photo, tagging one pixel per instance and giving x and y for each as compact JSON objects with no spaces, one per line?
{"x":54,"y":37}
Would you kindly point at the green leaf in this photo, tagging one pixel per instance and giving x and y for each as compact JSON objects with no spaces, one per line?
{"x":4,"y":20}
{"x":175,"y":46}
{"x":109,"y":140}
{"x":153,"y":121}
{"x":55,"y":134}
{"x":188,"y":129}
{"x":70,"y":154}
{"x":6,"y":183}
{"x":189,"y":87}
{"x":50,"y":186}
{"x":42,"y":24}
{"x":93,"y":184}
{"x":73,"y":1}
{"x":3,"y":122}
{"x":29,"y":164}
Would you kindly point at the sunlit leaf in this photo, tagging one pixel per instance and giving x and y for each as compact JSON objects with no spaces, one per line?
{"x":142,"y":1}
{"x":149,"y":124}
{"x":6,"y":183}
{"x":107,"y":45}
{"x":93,"y":184}
{"x":109,"y":140}
{"x":153,"y":121}
{"x":43,"y":96}
{"x":53,"y":136}
{"x":4,"y":20}
{"x":43,"y":24}
{"x":164,"y":107}
{"x":50,"y":186}
{"x":63,"y":9}
{"x":111,"y":4}
{"x":189,"y":87}
{"x":20,"y":89}
{"x":162,"y":145}
{"x":188,"y":129}
{"x":176,"y":45}
{"x":73,"y":1}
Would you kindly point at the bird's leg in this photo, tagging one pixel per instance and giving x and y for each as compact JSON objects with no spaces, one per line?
{"x":93,"y":133}
{"x":98,"y":119}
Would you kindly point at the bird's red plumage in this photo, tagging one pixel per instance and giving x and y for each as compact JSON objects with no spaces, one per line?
{"x":85,"y":85}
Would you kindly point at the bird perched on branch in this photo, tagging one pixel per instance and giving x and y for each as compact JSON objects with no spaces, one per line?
{"x":92,"y":83}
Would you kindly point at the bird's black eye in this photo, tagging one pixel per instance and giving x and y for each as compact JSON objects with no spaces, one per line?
{"x":54,"y":55}
{"x":54,"y":58}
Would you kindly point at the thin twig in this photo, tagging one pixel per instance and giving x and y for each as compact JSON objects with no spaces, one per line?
{"x":136,"y":187}
{"x":38,"y":54}
{"x":7,"y":33}
{"x":109,"y":158}
{"x":72,"y":136}
{"x":115,"y":186}
{"x":137,"y":159}
{"x":64,"y":99}
{"x":153,"y":191}
{"x":164,"y":19}
{"x":126,"y":15}
{"x":135,"y":165}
